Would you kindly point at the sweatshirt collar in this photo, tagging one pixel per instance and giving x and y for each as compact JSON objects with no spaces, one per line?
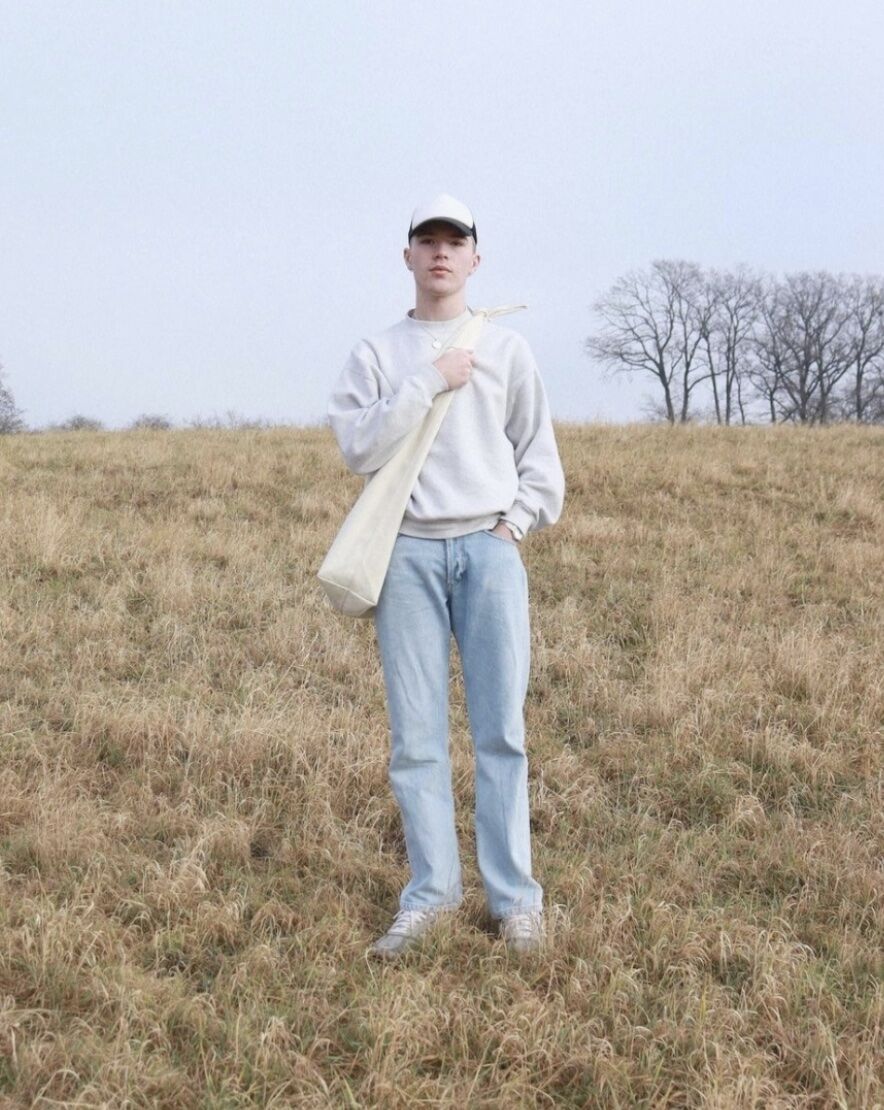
{"x":441,"y":324}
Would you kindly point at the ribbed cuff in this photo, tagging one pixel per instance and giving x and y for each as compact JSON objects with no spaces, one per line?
{"x":517,"y":533}
{"x":520,"y":516}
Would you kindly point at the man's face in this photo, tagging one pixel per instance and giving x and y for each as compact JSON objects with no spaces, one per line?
{"x":441,"y":258}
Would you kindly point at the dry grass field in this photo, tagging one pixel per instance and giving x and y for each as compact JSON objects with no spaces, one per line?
{"x":198,"y":841}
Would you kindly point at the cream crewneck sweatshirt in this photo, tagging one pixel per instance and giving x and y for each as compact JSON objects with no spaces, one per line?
{"x":495,"y":455}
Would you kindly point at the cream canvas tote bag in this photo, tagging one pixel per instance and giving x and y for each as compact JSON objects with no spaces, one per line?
{"x":354,"y":569}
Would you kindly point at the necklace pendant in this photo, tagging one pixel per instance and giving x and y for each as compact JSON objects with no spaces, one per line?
{"x":436,"y":344}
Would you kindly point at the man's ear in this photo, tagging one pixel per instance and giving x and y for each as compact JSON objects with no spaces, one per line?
{"x":406,"y":254}
{"x":477,"y":258}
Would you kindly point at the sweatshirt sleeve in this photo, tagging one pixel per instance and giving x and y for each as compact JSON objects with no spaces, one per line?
{"x":368,"y":425}
{"x":529,"y":428}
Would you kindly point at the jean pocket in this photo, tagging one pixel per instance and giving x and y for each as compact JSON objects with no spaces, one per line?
{"x":500,"y":539}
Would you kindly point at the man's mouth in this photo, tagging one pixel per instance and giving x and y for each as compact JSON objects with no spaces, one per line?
{"x":439,"y":270}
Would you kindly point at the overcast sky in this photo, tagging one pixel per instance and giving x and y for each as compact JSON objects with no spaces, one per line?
{"x":203,"y":205}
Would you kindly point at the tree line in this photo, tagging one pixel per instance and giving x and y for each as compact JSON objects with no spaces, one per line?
{"x":11,"y":420}
{"x":807,"y":348}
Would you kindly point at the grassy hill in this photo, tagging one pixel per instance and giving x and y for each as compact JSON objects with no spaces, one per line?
{"x":198,"y":841}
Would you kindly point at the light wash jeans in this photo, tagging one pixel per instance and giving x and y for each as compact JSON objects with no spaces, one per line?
{"x":475,"y":586}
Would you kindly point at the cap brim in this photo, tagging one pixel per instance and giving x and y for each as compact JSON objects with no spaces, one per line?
{"x":462,"y":228}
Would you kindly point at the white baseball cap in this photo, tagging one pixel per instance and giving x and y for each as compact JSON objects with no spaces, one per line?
{"x":446,"y":208}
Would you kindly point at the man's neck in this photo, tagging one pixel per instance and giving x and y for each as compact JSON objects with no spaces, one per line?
{"x":439,"y":308}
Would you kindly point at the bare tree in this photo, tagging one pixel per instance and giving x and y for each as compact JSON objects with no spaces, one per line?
{"x":802,"y":347}
{"x":767,"y":366}
{"x":10,"y":416}
{"x":733,"y":300}
{"x":863,"y":401}
{"x":653,"y":321}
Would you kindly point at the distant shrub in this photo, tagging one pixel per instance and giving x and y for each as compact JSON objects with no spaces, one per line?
{"x":79,"y":423}
{"x":151,"y":422}
{"x":230,"y":419}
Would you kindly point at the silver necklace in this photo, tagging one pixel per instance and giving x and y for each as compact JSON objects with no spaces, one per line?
{"x":437,"y":341}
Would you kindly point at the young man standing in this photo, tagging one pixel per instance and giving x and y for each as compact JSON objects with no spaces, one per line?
{"x":492,"y":475}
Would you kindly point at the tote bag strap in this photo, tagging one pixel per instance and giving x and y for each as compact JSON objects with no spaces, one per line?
{"x":426,"y":432}
{"x":353,"y":571}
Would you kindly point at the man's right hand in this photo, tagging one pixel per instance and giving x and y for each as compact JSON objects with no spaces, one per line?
{"x":456,"y":366}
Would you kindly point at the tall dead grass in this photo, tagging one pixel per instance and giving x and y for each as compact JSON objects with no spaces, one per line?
{"x":198,"y":842}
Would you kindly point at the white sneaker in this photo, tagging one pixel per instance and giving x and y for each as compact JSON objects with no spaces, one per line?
{"x":523,"y":932}
{"x":407,"y":928}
